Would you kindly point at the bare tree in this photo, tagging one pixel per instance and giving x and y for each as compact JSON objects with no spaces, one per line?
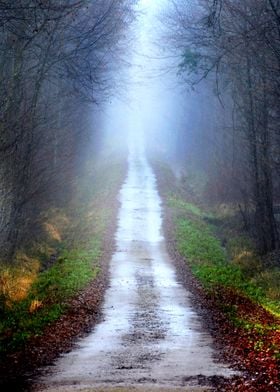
{"x":56,"y":59}
{"x":235,"y":44}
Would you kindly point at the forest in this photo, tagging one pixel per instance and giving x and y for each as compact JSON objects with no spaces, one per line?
{"x":100,"y":98}
{"x":232,"y":48}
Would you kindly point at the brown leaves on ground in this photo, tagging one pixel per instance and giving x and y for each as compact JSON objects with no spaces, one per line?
{"x":254,"y":345}
{"x":251,"y":347}
{"x":18,"y":369}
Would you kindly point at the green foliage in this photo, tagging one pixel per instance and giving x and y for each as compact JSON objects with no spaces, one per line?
{"x":72,"y":271}
{"x":191,"y":61}
{"x":196,"y":242}
{"x":237,"y":267}
{"x":176,"y":202}
{"x":53,"y":288}
{"x":80,"y":228}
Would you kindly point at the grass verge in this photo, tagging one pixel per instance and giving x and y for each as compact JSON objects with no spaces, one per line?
{"x":239,"y":292}
{"x":38,"y":288}
{"x":234,"y":266}
{"x":237,"y":282}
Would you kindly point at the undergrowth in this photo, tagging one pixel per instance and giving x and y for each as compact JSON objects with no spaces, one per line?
{"x":37,"y":289}
{"x":235,"y":266}
{"x":242,"y":288}
{"x":47,"y":297}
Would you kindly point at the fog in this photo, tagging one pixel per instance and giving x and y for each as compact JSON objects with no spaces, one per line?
{"x":99,"y":100}
{"x":151,"y":106}
{"x":180,"y":79}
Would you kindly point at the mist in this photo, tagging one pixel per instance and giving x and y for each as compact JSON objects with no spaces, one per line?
{"x":140,"y":194}
{"x":160,"y":75}
{"x":185,"y":102}
{"x":151,"y":106}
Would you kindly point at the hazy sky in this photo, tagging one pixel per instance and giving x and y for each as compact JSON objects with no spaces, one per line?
{"x":146,"y":111}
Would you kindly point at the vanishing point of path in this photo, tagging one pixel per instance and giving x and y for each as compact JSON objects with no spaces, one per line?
{"x":150,"y":335}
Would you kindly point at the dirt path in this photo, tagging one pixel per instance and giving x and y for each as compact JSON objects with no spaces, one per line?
{"x":150,"y":335}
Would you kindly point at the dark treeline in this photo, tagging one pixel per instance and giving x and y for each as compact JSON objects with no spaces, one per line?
{"x":57,"y":59}
{"x":229,"y":52}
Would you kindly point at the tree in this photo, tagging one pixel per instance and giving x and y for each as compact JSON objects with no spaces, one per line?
{"x":235,"y":44}
{"x":57,"y":59}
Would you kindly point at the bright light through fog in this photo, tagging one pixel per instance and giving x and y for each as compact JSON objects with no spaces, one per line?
{"x":144,"y":115}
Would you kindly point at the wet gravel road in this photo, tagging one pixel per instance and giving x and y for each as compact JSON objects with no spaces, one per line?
{"x":150,"y":335}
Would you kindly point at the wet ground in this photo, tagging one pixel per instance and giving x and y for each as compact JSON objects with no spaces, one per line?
{"x":150,"y":335}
